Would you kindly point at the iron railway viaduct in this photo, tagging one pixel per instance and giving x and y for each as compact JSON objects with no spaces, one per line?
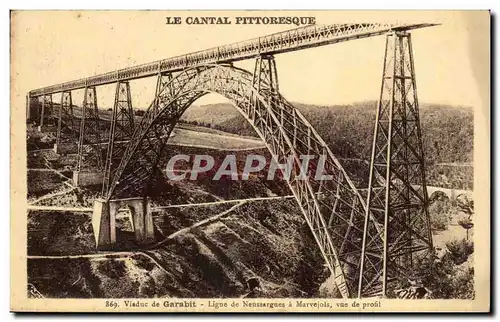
{"x":366,"y":242}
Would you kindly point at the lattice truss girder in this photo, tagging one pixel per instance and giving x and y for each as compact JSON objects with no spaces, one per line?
{"x":333,"y":209}
{"x":66,"y":120}
{"x":397,"y":194}
{"x":92,"y":133}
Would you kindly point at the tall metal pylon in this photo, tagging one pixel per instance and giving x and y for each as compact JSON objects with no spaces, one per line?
{"x":162,"y":80}
{"x":265,"y":75}
{"x":65,"y":115}
{"x":89,"y":142}
{"x":122,"y":129}
{"x":397,"y":192}
{"x":47,"y":109}
{"x":164,"y":87}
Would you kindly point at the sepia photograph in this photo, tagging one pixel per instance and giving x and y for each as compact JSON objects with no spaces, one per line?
{"x":238,"y":161}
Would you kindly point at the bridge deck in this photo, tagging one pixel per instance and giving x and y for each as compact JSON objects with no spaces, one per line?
{"x":281,"y":42}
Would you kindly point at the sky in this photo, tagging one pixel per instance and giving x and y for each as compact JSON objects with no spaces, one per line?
{"x":53,"y":47}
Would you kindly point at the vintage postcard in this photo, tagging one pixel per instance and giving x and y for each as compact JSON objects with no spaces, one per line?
{"x":250,"y":161}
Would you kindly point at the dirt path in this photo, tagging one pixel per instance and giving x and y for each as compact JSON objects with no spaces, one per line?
{"x":221,"y":202}
{"x":41,"y":170}
{"x":51,"y":195}
{"x":47,"y":164}
{"x":110,"y":255}
{"x":55,"y":208}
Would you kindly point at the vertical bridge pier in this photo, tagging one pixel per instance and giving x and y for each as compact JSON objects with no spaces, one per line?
{"x":90,"y":151}
{"x":104,"y":221}
{"x":32,"y":108}
{"x":46,"y":111}
{"x":397,"y":189}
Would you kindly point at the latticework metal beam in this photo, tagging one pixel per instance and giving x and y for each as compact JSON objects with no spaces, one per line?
{"x":65,"y":117}
{"x":397,"y":193}
{"x":333,"y":209}
{"x":90,"y":150}
{"x":121,"y":130}
{"x":365,"y":245}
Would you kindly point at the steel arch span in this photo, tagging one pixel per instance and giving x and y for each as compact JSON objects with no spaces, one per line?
{"x":333,"y":209}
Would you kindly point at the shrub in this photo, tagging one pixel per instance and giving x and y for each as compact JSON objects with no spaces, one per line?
{"x":445,"y":279}
{"x":460,"y":250}
{"x":439,"y":213}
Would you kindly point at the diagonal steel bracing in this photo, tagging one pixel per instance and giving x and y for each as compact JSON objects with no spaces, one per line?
{"x":397,"y":193}
{"x":333,"y":209}
{"x":47,"y":109}
{"x":121,"y":130}
{"x":90,"y":151}
{"x":273,"y":44}
{"x":366,"y":245}
{"x":66,"y":117}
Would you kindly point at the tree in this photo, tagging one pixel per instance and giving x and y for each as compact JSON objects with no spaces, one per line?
{"x":466,"y":224}
{"x":466,"y":205}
